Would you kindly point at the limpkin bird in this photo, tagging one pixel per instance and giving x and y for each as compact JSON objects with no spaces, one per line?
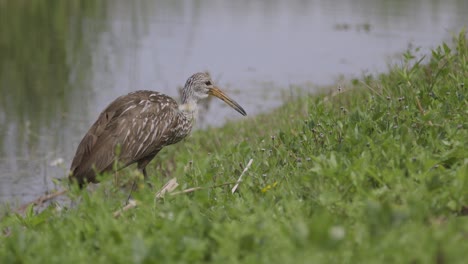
{"x":135,"y":127}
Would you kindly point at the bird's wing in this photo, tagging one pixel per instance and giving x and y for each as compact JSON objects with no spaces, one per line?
{"x":130,"y":128}
{"x":150,"y":131}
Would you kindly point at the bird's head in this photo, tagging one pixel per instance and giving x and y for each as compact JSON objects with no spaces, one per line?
{"x":200,"y":86}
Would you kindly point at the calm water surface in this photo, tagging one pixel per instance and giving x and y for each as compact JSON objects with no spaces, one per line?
{"x":62,"y":62}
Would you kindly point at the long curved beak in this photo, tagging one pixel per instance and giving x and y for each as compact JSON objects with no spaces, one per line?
{"x":215,"y":91}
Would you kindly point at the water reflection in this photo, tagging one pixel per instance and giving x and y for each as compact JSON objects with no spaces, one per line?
{"x":40,"y":44}
{"x":61,"y":62}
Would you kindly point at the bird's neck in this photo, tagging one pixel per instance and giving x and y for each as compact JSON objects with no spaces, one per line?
{"x":189,"y":108}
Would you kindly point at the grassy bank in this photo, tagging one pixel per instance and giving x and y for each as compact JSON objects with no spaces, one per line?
{"x":376,"y":171}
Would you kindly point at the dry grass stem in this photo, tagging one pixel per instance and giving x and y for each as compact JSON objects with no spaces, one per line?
{"x":168,"y":187}
{"x":131,"y":204}
{"x":41,"y":200}
{"x":240,"y":177}
{"x":421,"y":110}
{"x":189,"y":190}
{"x":372,"y":89}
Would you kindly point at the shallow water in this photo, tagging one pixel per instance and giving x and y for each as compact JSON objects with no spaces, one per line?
{"x":62,"y":62}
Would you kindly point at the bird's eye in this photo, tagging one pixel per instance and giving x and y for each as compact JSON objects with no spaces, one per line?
{"x":208,"y":83}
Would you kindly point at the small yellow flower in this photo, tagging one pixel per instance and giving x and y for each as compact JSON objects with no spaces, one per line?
{"x":268,"y":187}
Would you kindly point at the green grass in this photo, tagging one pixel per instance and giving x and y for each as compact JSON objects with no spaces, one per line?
{"x":374,"y":173}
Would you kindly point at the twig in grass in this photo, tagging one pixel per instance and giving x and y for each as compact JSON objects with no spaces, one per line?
{"x":421,"y":110}
{"x":131,"y":204}
{"x":41,"y":200}
{"x":240,"y":177}
{"x":168,"y":187}
{"x":189,"y":190}
{"x":372,"y":89}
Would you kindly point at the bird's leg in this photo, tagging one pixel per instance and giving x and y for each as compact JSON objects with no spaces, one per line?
{"x":131,"y":191}
{"x":145,"y":176}
{"x":142,"y":167}
{"x":144,"y":173}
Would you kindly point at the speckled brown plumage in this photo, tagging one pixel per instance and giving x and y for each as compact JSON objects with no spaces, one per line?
{"x":136,"y":126}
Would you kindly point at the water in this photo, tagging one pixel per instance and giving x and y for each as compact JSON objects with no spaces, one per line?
{"x":62,"y":62}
